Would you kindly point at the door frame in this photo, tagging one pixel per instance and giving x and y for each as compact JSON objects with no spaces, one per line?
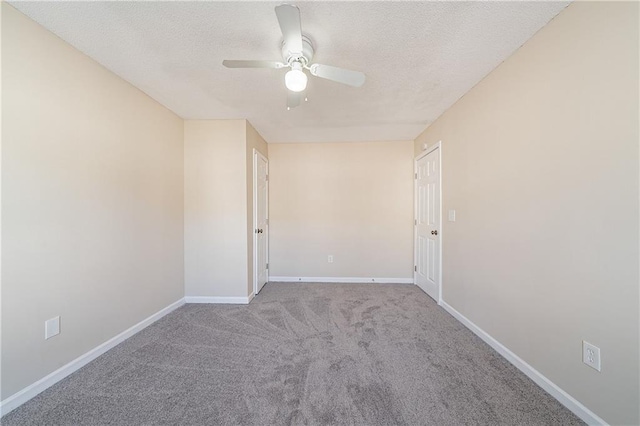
{"x":427,"y":151}
{"x":257,"y":154}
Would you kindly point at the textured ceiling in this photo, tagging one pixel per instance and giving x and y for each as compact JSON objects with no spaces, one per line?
{"x":419,"y":58}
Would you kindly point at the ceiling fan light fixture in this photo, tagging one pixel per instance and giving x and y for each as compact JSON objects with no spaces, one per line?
{"x":297,"y":52}
{"x":295,"y":79}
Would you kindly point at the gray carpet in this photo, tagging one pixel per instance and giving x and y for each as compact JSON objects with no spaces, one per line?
{"x":367,"y":354}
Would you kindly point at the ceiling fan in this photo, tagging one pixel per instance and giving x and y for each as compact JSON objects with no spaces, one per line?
{"x":297,"y":52}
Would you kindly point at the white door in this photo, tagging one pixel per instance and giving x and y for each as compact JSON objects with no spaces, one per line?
{"x":427,"y":223}
{"x":260,"y":221}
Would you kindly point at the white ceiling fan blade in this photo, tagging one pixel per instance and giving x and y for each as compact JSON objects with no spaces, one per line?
{"x":294,"y":99}
{"x":252,"y":64}
{"x":340,"y":75}
{"x":289,"y":20}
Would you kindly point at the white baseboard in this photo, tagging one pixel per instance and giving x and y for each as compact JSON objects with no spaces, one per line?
{"x":251,"y":296}
{"x":341,"y":280}
{"x":22,"y":396}
{"x":220,"y":300}
{"x":554,"y":390}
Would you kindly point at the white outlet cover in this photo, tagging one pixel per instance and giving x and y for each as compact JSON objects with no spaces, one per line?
{"x":51,"y":327}
{"x":591,"y":355}
{"x":452,"y":215}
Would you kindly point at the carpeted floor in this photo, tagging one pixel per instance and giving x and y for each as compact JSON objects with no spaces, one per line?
{"x":357,"y":354}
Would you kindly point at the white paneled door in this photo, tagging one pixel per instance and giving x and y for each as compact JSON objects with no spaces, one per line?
{"x":427,"y":223}
{"x":260,"y":221}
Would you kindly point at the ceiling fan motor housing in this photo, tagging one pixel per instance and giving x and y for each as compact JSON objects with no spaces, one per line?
{"x":304,"y":57}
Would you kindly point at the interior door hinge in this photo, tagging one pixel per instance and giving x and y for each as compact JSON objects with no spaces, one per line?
{"x":415,"y":222}
{"x":415,"y":269}
{"x":266,"y":178}
{"x":267,"y":220}
{"x":267,"y":266}
{"x":416,"y":175}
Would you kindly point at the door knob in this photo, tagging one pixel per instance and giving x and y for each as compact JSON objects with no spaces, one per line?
{"x":434,"y":232}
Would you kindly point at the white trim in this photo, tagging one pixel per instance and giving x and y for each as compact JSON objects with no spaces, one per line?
{"x":24,"y":395}
{"x":554,"y":390}
{"x":348,"y":280}
{"x":219,"y":300}
{"x":251,"y":296}
{"x":427,"y":151}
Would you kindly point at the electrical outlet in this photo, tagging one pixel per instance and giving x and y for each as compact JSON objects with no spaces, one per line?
{"x":591,"y":355}
{"x":330,"y":258}
{"x":51,"y":327}
{"x":452,"y":215}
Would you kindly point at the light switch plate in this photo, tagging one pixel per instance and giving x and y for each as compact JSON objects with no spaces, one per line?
{"x":51,"y":327}
{"x":452,"y":215}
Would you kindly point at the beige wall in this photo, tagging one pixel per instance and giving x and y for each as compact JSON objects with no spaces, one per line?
{"x":540,"y":161}
{"x":219,"y":206}
{"x":350,"y":200}
{"x":254,"y":141}
{"x":92,"y":206}
{"x":215,"y":208}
